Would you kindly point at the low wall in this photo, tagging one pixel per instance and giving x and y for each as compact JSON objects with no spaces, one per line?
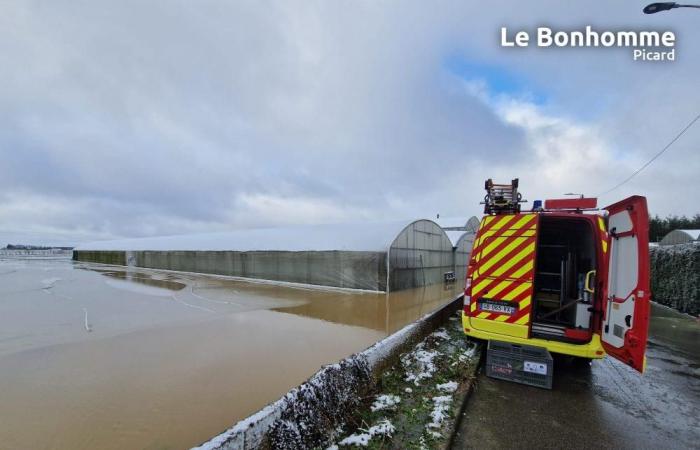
{"x":675,"y":276}
{"x":343,"y":269}
{"x":304,"y":417}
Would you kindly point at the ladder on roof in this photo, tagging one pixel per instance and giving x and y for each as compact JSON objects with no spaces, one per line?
{"x":502,"y":198}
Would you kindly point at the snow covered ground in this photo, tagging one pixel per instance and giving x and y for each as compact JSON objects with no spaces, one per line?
{"x":417,"y":398}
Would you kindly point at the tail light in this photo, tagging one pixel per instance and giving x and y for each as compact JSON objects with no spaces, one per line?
{"x":467,"y":295}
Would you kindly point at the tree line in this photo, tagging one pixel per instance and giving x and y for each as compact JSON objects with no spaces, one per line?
{"x":660,"y":227}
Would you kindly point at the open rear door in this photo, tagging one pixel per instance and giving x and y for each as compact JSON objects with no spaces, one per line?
{"x":626,"y":321}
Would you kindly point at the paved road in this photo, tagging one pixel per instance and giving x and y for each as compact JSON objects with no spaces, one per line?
{"x":604,"y":405}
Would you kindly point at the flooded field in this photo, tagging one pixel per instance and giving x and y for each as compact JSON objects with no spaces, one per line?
{"x":100,"y":357}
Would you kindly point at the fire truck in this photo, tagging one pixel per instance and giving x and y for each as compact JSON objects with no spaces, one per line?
{"x":565,"y":276}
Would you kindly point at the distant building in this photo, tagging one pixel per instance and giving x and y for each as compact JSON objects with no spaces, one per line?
{"x":680,"y":237}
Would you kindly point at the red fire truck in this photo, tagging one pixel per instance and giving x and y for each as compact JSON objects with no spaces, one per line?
{"x":564,"y":276}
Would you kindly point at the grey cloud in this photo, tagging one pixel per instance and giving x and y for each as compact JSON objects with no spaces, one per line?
{"x":165,"y":117}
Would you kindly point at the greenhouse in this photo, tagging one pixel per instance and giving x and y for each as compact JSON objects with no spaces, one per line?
{"x":385,"y":256}
{"x":680,"y":237}
{"x":461,"y":233}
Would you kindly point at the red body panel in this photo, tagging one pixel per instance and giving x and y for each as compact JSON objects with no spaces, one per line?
{"x":635,"y":338}
{"x":571,"y":203}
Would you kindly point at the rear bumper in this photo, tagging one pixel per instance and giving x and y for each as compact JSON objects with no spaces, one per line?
{"x":592,"y":350}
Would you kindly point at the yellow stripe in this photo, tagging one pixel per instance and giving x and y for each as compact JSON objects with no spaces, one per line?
{"x":499,"y":287}
{"x":477,"y":288}
{"x":483,"y":315}
{"x":518,"y":290}
{"x":604,"y":243}
{"x":473,"y":305}
{"x":501,"y":221}
{"x":501,"y":318}
{"x":524,"y":302}
{"x":506,"y":235}
{"x":524,"y":269}
{"x":524,"y":253}
{"x":481,"y":239}
{"x":497,"y":228}
{"x":517,"y":274}
{"x":523,"y":320}
{"x":482,"y":285}
{"x":484,"y":266}
{"x":601,"y":224}
{"x":486,"y":220}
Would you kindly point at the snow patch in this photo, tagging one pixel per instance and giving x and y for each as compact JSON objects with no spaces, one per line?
{"x":425,"y":365}
{"x":359,"y":440}
{"x":441,"y":405}
{"x":450,"y":386}
{"x":383,"y":428}
{"x":441,"y":334}
{"x":385,"y":402}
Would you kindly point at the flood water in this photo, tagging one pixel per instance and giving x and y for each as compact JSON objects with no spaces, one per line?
{"x":95,"y":356}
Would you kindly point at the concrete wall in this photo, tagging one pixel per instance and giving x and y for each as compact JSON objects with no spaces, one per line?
{"x":354,"y":270}
{"x":675,"y":276}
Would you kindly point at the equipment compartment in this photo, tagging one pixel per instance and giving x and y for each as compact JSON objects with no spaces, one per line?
{"x":565,"y":259}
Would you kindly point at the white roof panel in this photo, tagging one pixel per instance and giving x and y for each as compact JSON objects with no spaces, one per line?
{"x":376,"y":236}
{"x":695,"y":234}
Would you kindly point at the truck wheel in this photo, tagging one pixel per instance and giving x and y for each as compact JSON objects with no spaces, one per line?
{"x":581,"y":362}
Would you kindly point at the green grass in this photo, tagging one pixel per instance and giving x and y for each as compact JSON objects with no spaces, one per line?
{"x":411,"y":416}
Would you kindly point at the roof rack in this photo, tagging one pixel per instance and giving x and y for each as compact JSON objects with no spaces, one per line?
{"x":502,"y":198}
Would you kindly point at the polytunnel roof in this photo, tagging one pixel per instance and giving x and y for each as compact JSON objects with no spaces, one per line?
{"x":454,"y":236}
{"x":372,"y":236}
{"x":452,"y":222}
{"x":456,"y":227}
{"x":695,"y":234}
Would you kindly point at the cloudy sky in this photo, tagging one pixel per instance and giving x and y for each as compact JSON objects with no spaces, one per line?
{"x":131,"y":118}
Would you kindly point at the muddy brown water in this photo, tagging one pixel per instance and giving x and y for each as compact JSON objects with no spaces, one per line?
{"x":169,"y":360}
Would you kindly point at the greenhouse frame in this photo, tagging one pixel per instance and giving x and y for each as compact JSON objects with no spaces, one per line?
{"x":382,"y":257}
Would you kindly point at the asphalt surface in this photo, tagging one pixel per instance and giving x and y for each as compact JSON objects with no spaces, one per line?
{"x":601,"y":405}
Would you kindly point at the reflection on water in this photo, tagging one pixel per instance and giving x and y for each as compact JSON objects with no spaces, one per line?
{"x":145,"y":279}
{"x":384,"y":312}
{"x":172,"y":359}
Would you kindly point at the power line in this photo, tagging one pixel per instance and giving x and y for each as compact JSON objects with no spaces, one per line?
{"x":692,"y":122}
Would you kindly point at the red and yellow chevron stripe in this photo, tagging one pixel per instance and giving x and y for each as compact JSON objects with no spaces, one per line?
{"x":503,"y":259}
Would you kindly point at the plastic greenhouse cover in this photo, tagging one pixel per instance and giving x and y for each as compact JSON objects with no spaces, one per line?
{"x":695,"y":234}
{"x":455,"y":235}
{"x":452,"y":222}
{"x":371,"y":236}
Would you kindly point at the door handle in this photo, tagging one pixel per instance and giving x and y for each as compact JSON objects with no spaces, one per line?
{"x":587,"y":286}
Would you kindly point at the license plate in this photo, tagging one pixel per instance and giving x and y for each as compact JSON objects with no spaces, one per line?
{"x":500,"y":307}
